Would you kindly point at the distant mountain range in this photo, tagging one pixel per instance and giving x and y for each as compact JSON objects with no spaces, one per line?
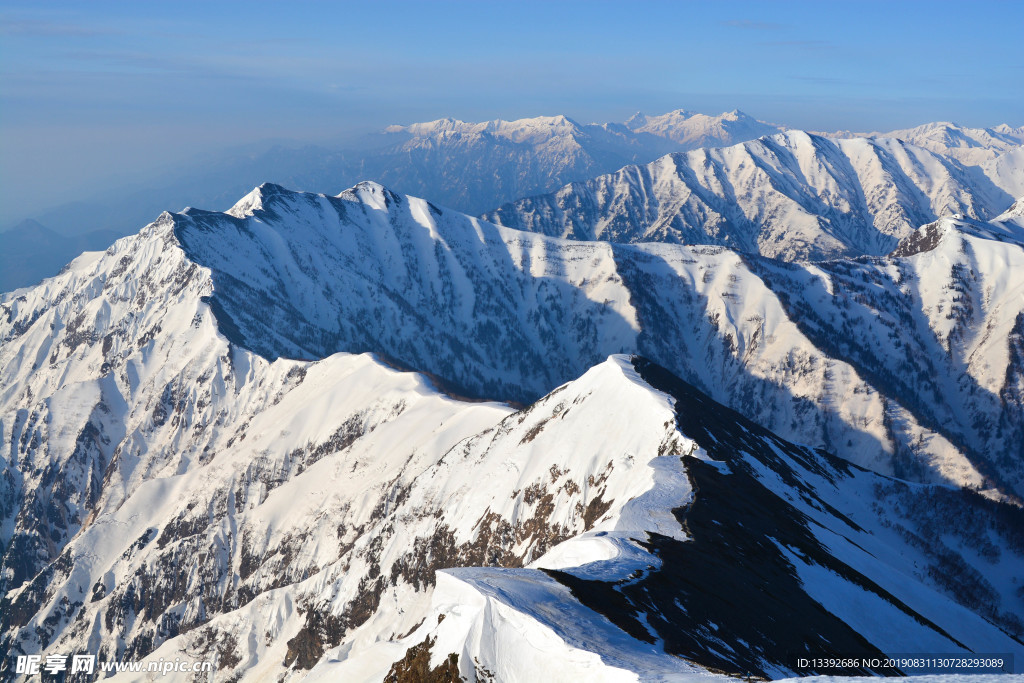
{"x":478,"y":167}
{"x":792,"y":196}
{"x":216,"y":448}
{"x":970,"y":146}
{"x":469,"y":166}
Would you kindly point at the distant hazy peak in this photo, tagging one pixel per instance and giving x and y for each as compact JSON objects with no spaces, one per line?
{"x":692,"y":130}
{"x":29,"y":225}
{"x":515,"y":130}
{"x":967,"y":145}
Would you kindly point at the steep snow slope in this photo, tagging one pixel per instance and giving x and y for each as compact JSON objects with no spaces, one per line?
{"x":792,"y":196}
{"x":270,"y":597}
{"x":1007,"y":171}
{"x":938,"y":324}
{"x":832,"y":557}
{"x":158,"y":475}
{"x":498,"y":313}
{"x":170,"y":492}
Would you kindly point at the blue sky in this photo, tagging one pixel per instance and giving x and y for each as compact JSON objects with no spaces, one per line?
{"x":96,"y":93}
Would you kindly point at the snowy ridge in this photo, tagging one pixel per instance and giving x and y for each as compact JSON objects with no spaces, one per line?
{"x":472,"y":165}
{"x":693,"y":131}
{"x":481,"y":165}
{"x":228,"y":442}
{"x":198,"y":464}
{"x":1007,"y":171}
{"x":971,"y":146}
{"x":1013,"y":215}
{"x":498,"y":313}
{"x":689,"y":130}
{"x":793,"y":196}
{"x":948,"y":302}
{"x":469,"y":166}
{"x":537,"y":129}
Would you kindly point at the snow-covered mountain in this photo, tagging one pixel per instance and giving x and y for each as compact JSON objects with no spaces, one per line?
{"x":970,"y":146}
{"x":1007,"y":171}
{"x":197,"y":465}
{"x":465,"y":165}
{"x":793,"y":196}
{"x":477,"y":166}
{"x":501,"y":314}
{"x":997,"y":153}
{"x":469,"y":166}
{"x":693,"y":130}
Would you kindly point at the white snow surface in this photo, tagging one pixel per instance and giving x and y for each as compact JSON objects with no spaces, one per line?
{"x":263,"y":457}
{"x":923,"y":678}
{"x":502,"y":313}
{"x":215,"y":476}
{"x":694,"y":130}
{"x":970,"y":146}
{"x":791,"y":195}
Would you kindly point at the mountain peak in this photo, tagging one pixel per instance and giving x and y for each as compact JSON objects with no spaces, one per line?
{"x":247,"y":205}
{"x":930,"y":237}
{"x":372,"y":194}
{"x":970,"y":146}
{"x":517,"y":130}
{"x":1016,"y":211}
{"x":556,"y":120}
{"x":253,"y":202}
{"x":692,"y":130}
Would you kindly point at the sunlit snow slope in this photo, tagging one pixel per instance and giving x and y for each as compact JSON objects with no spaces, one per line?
{"x":197,"y":464}
{"x":498,"y":313}
{"x":793,"y":196}
{"x":971,"y":146}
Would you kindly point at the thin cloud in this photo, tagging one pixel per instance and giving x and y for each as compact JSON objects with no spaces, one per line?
{"x":802,"y":44}
{"x":753,"y":25}
{"x":826,"y":80}
{"x":30,"y":28}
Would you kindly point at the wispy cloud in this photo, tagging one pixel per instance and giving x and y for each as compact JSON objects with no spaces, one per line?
{"x":826,"y":80}
{"x":753,"y":25}
{"x":30,"y":28}
{"x":801,"y":44}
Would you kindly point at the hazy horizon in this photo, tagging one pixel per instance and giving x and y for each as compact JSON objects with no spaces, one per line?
{"x":113,"y":92}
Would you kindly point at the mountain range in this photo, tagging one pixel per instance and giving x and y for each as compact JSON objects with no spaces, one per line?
{"x":970,"y":146}
{"x":479,"y":167}
{"x":791,"y":196}
{"x":367,"y":437}
{"x":469,"y":166}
